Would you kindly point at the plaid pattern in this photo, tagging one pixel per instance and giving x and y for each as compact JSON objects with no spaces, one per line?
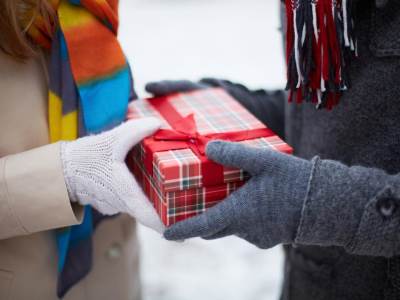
{"x":215,"y":112}
{"x":177,"y":206}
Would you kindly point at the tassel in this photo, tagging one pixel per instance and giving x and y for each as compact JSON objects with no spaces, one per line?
{"x":320,"y":46}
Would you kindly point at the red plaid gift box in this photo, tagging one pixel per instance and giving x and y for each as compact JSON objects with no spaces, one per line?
{"x":171,"y":165}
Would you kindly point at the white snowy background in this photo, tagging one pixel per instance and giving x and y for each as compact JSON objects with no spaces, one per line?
{"x":189,"y":39}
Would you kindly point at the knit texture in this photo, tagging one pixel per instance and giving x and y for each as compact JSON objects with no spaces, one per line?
{"x":362,"y":130}
{"x":352,"y":207}
{"x":96,"y":173}
{"x":266,"y":210}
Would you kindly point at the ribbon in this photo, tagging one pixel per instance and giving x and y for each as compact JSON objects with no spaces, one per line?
{"x":184,"y":134}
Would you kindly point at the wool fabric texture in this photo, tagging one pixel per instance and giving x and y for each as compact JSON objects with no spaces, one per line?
{"x":89,"y":90}
{"x":266,"y":210}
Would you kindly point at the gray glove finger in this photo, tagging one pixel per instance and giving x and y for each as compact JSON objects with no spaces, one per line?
{"x":210,"y":222}
{"x":214,"y":82}
{"x":236,"y":155}
{"x":251,"y":159}
{"x":223,"y":233}
{"x":165,"y":87}
{"x":238,"y":209}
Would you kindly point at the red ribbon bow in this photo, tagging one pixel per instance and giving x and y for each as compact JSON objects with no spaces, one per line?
{"x":184,"y":130}
{"x":184,"y":134}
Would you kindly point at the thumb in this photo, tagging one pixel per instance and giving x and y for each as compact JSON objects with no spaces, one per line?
{"x":147,"y":215}
{"x":140,"y":207}
{"x":132,"y":132}
{"x":209,"y":223}
{"x":235,"y":155}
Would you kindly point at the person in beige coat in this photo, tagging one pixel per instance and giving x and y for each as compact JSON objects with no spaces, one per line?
{"x":40,"y":190}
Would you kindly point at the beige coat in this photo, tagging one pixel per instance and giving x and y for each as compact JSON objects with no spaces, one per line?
{"x":34,"y":201}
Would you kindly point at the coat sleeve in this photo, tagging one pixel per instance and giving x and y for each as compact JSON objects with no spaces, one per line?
{"x":33,"y":195}
{"x":356,"y":207}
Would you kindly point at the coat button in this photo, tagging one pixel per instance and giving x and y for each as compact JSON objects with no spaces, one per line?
{"x":114,"y":252}
{"x":386,"y":207}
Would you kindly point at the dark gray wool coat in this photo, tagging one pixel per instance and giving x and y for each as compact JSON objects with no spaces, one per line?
{"x":363,"y":130}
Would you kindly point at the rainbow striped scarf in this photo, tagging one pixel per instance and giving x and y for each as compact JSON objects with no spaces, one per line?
{"x":90,"y":86}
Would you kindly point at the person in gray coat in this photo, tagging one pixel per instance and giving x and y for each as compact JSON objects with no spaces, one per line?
{"x":335,"y":205}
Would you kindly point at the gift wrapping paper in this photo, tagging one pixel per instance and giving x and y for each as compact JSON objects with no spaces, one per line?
{"x":175,"y":180}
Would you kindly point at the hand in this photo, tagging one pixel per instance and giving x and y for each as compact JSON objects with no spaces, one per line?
{"x":265,"y":211}
{"x":267,"y":106}
{"x":166,"y":87}
{"x":96,"y":174}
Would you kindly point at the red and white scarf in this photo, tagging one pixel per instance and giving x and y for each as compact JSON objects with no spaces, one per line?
{"x":320,"y":46}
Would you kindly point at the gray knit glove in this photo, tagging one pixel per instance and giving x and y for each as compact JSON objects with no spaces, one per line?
{"x":266,"y":210}
{"x":165,"y":87}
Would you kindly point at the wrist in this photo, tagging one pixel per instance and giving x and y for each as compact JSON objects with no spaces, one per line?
{"x":302,"y":175}
{"x":334,"y":204}
{"x":66,"y":166}
{"x":280,"y":206}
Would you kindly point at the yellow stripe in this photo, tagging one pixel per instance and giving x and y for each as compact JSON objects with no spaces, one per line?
{"x":73,"y":15}
{"x":61,"y":127}
{"x":69,"y":126}
{"x":55,"y":116}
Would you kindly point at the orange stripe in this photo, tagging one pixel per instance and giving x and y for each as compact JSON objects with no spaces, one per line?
{"x":94,"y":51}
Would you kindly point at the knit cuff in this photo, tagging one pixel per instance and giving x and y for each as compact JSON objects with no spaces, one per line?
{"x":334,"y":204}
{"x":67,"y":176}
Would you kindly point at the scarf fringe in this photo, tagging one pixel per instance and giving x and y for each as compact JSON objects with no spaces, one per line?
{"x":320,"y":46}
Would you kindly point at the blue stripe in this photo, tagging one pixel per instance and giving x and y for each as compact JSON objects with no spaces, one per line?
{"x":63,"y":47}
{"x":84,"y":230}
{"x":105,"y":102}
{"x":62,"y":245}
{"x":71,"y":236}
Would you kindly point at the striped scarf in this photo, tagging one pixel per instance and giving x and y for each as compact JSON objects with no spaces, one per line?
{"x":90,"y":86}
{"x":320,"y":46}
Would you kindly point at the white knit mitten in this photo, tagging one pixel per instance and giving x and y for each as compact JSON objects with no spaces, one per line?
{"x":96,"y":174}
